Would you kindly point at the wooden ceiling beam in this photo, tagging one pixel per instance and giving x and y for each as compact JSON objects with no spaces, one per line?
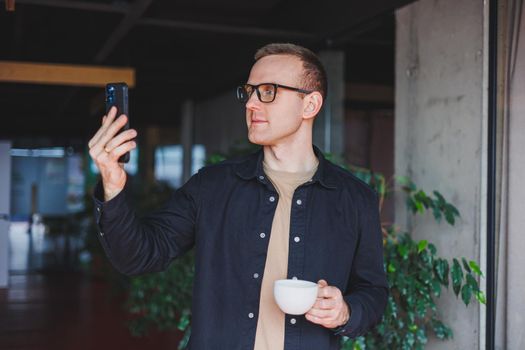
{"x":120,"y":7}
{"x":64,"y":74}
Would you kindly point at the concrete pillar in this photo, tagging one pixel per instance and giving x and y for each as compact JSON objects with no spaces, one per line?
{"x":187,"y":137}
{"x":5,"y":195}
{"x":440,"y":128}
{"x":510,"y":308}
{"x":329,"y":124}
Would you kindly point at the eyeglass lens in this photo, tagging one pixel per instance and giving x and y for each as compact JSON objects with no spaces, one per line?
{"x":265,"y":92}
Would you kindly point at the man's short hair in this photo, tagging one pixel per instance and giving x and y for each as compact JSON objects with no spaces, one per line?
{"x":314,"y":75}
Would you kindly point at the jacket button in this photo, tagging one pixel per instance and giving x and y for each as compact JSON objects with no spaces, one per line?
{"x":262,"y":235}
{"x":297,"y":239}
{"x":256,"y":275}
{"x":299,"y":202}
{"x":251,"y":315}
{"x":293,"y":321}
{"x":272,"y":199}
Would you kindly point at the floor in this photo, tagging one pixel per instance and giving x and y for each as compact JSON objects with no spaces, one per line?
{"x":62,"y":308}
{"x":67,"y":310}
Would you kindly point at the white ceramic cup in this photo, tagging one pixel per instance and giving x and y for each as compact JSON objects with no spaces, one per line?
{"x":295,"y":297}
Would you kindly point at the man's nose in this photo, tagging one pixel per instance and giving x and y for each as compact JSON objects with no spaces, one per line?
{"x":253,"y":101}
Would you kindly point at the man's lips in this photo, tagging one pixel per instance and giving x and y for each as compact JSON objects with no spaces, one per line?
{"x":259,"y":121}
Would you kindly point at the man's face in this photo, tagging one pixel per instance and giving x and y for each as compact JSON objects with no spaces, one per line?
{"x":277,"y":121}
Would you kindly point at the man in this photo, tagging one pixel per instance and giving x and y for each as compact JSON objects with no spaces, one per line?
{"x":283,"y":212}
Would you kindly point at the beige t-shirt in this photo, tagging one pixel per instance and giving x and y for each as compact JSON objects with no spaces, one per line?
{"x":270,"y":325}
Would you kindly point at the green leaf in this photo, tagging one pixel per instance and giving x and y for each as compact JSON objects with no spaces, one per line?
{"x":475,"y":268}
{"x":419,"y":207}
{"x":454,"y":210}
{"x":432,"y":248}
{"x":410,"y":340}
{"x":436,"y":287}
{"x":441,"y":330}
{"x":406,"y":183}
{"x":441,"y":269}
{"x":421,"y":336}
{"x":457,"y":276}
{"x":422,"y":197}
{"x":402,"y":249}
{"x":449,"y":217}
{"x":391,"y":268}
{"x":480,"y":296}
{"x":411,"y":204}
{"x":465,"y":265}
{"x":471,"y":281}
{"x":437,"y":214}
{"x":421,"y":246}
{"x":184,"y":321}
{"x":439,"y":196}
{"x":466,"y":293}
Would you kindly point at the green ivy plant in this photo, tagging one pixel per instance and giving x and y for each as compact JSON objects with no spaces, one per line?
{"x":416,"y":274}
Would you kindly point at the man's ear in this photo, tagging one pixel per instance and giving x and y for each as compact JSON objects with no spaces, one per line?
{"x":312,"y":104}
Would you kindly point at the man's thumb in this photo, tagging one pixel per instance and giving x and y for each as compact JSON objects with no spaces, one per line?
{"x":322,"y":283}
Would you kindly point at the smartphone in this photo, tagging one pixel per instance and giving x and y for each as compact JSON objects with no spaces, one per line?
{"x":117,"y":95}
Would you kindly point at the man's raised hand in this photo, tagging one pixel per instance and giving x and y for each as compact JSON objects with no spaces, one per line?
{"x":105,"y":148}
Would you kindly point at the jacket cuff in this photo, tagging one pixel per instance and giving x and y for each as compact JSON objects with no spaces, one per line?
{"x":350,"y":327}
{"x":106,"y":207}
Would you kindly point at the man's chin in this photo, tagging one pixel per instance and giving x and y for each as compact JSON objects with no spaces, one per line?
{"x":258,"y":140}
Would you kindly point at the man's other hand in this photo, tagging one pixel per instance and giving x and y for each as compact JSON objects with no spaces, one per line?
{"x":330,"y":310}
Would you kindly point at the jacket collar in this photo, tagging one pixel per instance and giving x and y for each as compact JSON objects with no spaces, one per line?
{"x":252,"y":167}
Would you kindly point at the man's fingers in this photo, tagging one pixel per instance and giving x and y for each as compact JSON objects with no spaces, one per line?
{"x":120,"y":139}
{"x":111,"y":130}
{"x":106,"y":121}
{"x":319,"y":313}
{"x":328,"y":292}
{"x":328,"y":309}
{"x":122,"y":149}
{"x":325,"y":304}
{"x":323,"y":321}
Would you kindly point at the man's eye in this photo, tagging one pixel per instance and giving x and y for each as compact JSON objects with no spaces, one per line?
{"x":267,"y":92}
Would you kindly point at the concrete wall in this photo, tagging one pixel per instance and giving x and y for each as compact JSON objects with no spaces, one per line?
{"x":439,"y":131}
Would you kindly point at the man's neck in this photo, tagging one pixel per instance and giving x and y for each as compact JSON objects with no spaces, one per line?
{"x":296,"y":157}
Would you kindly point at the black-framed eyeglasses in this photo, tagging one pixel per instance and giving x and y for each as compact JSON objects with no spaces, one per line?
{"x":266,"y":92}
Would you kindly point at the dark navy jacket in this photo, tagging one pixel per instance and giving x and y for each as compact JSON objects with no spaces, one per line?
{"x":225,"y":211}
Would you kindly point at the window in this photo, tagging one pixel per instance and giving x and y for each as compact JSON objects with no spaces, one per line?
{"x":169,"y":163}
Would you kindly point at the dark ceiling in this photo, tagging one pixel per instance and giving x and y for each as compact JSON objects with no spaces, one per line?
{"x":180,"y":49}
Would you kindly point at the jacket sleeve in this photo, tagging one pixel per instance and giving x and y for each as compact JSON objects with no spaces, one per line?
{"x":367,"y":291}
{"x":139,"y":245}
